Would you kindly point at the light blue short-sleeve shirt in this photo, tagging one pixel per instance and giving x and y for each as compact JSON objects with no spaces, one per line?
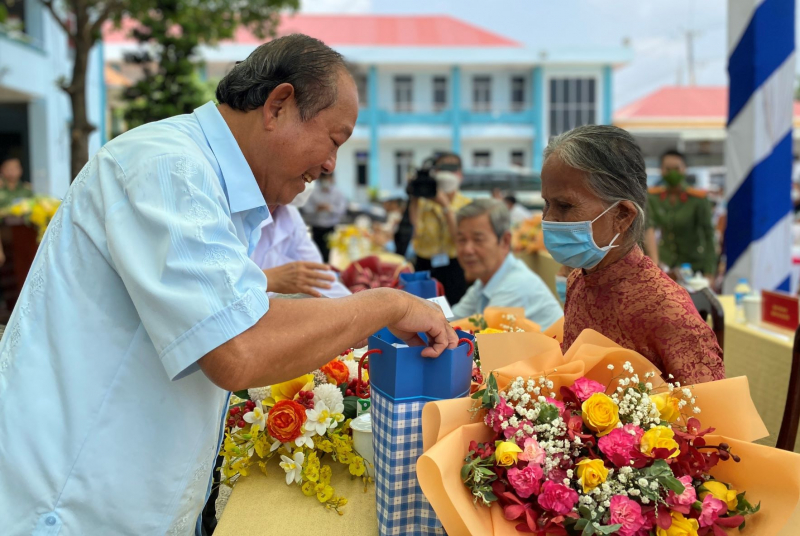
{"x":107,"y":425}
{"x":513,"y":285}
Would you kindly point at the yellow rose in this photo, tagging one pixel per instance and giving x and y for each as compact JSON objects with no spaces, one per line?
{"x":506,"y":453}
{"x":667,"y":407}
{"x":289,"y":390}
{"x":600,"y":414}
{"x":491,"y":330}
{"x":591,"y":474}
{"x":720,"y":491}
{"x":659,"y":437}
{"x":681,"y":526}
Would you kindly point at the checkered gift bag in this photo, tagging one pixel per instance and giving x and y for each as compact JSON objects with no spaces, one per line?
{"x":401,"y":382}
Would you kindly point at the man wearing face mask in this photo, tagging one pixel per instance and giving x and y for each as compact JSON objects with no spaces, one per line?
{"x":323,"y":211}
{"x":434,"y":222}
{"x":684,"y":218}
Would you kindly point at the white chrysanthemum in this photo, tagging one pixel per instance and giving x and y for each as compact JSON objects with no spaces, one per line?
{"x":328,"y":393}
{"x":352,"y":366}
{"x":257,"y":394}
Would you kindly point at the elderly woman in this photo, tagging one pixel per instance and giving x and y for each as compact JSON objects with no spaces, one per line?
{"x":594,"y":186}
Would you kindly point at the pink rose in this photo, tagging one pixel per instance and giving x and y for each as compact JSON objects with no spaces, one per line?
{"x":627,"y":513}
{"x":498,"y":414}
{"x":617,"y":446}
{"x":557,"y":498}
{"x":712,"y":509}
{"x":635,"y":431}
{"x":532,"y":452}
{"x":526,"y":481}
{"x":584,"y":388}
{"x":683,"y":503}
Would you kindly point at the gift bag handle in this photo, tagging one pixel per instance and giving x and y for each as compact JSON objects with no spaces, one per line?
{"x":470,"y":343}
{"x":363,"y":363}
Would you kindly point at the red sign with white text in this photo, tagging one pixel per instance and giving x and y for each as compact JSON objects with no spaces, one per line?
{"x":780,"y":309}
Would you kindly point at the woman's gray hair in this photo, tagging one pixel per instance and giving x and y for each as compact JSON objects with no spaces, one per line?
{"x":497,"y":211}
{"x":613,"y":164}
{"x":308,"y":64}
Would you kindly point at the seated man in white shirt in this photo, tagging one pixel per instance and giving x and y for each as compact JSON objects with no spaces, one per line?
{"x":290,"y":259}
{"x":483,"y":243}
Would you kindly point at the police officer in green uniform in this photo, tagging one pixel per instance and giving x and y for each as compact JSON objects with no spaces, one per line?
{"x":11,"y":185}
{"x":683,"y":215}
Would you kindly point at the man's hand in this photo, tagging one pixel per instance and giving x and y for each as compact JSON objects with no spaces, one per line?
{"x":299,"y":277}
{"x":426,"y":317}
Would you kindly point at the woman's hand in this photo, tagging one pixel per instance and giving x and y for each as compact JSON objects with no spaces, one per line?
{"x":300,"y":277}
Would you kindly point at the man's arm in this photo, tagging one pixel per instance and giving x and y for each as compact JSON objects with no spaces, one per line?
{"x":297,"y":336}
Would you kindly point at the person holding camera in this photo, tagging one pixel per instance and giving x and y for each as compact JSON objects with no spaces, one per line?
{"x":433,"y":215}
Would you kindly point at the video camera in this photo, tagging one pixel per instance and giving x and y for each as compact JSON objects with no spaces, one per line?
{"x":423,"y":184}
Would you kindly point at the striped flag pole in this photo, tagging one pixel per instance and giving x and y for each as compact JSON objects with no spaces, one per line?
{"x":758,"y":148}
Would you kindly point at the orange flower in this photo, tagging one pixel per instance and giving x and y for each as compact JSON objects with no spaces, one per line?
{"x":285,"y":420}
{"x":336,"y":371}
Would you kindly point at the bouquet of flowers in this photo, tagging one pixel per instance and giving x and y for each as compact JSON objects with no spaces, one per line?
{"x":36,"y":211}
{"x":527,"y":236}
{"x":600,"y":444}
{"x":301,"y":421}
{"x":352,"y":240}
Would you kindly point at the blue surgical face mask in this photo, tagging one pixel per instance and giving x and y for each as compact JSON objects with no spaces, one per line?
{"x":561,"y":289}
{"x":572,"y":243}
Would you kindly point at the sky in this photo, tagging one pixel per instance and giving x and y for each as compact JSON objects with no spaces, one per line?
{"x":656,"y":30}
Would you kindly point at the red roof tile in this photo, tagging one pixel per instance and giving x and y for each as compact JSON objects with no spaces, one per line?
{"x":674,"y":102}
{"x":368,"y":30}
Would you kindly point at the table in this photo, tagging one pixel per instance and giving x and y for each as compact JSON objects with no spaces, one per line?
{"x":264,"y":505}
{"x":764,"y":354}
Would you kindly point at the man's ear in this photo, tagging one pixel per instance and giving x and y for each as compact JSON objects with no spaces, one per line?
{"x":505,"y":241}
{"x":278,"y":102}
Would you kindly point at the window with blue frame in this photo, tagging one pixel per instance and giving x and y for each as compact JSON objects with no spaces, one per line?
{"x":482,"y":94}
{"x":518,"y":93}
{"x":362,"y":168}
{"x":403,"y":163}
{"x":403,"y":94}
{"x":481,"y":159}
{"x":439,"y":93}
{"x":573,"y":103}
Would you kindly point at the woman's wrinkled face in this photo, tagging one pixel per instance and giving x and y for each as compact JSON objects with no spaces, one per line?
{"x":568,"y":198}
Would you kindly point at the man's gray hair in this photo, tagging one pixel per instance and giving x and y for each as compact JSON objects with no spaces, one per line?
{"x":308,"y":64}
{"x":613,"y":164}
{"x":497,"y":211}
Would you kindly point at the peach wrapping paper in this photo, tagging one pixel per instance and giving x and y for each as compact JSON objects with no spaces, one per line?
{"x":768,"y":475}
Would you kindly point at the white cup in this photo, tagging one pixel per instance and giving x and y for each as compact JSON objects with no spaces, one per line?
{"x":362,"y":440}
{"x":752,"y":309}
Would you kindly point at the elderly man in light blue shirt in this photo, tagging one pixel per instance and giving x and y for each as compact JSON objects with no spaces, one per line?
{"x":142,"y":308}
{"x":483,"y":243}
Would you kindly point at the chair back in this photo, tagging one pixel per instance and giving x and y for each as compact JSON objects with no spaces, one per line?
{"x":791,"y":412}
{"x":709,"y":307}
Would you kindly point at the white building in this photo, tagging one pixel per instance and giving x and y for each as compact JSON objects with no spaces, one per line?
{"x":34,"y":112}
{"x":435,"y":83}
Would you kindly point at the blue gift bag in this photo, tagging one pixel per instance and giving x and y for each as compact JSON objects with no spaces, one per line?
{"x":401,"y":382}
{"x":419,"y":284}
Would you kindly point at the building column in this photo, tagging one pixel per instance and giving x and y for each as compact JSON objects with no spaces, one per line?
{"x":372,"y":110}
{"x":537,"y":101}
{"x":455,"y":83}
{"x":608,"y":97}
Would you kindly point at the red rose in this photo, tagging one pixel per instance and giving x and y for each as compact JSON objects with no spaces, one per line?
{"x":336,"y":371}
{"x":285,"y":420}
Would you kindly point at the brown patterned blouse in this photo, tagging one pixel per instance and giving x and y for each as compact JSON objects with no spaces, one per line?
{"x":635,"y":304}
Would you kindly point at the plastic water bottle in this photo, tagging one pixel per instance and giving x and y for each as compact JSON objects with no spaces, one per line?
{"x":741,"y":290}
{"x":686,"y":271}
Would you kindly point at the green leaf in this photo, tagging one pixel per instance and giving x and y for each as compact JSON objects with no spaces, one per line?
{"x":350,"y":407}
{"x":478,"y":394}
{"x":672,"y":484}
{"x":547,"y":413}
{"x":465,"y":471}
{"x":581,"y":523}
{"x":608,"y":529}
{"x":485,"y":471}
{"x":590,"y":529}
{"x":488,"y":496}
{"x":242,"y":394}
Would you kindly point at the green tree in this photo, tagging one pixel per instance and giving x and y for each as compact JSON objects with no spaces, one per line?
{"x":208,"y":20}
{"x":169,"y":36}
